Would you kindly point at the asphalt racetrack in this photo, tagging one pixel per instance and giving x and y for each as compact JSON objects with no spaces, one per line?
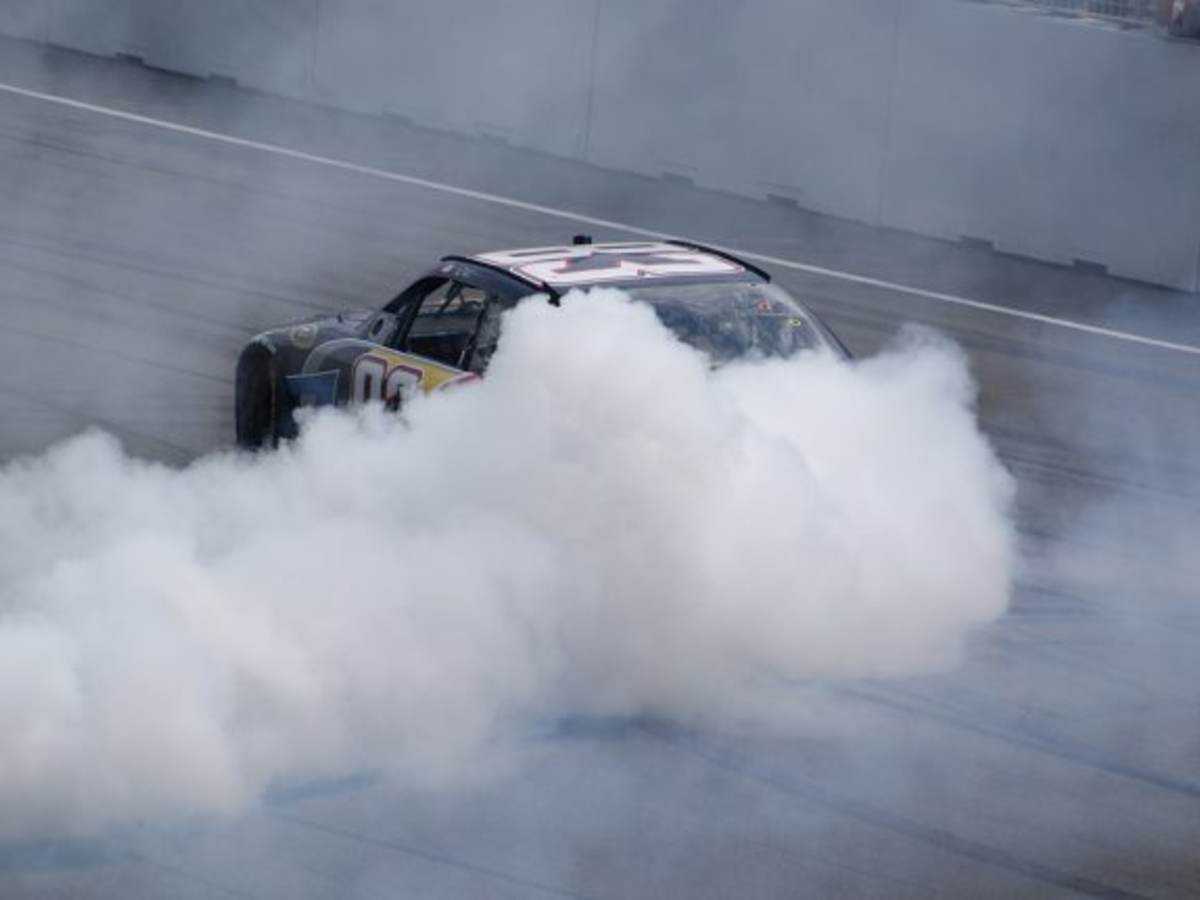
{"x":1064,"y":760}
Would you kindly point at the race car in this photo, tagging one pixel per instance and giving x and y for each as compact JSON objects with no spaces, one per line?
{"x":443,"y":328}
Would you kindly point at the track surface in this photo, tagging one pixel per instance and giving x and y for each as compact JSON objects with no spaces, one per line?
{"x":1064,"y":760}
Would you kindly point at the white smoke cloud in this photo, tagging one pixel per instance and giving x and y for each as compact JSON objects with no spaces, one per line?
{"x":603,"y":526}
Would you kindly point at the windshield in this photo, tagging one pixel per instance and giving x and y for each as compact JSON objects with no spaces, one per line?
{"x":735,"y":320}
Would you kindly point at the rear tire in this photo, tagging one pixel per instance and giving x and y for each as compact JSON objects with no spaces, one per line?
{"x":256,"y":407}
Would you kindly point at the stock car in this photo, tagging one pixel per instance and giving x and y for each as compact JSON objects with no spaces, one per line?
{"x":443,"y":328}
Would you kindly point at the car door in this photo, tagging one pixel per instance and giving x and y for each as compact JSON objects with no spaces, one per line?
{"x":453,"y":325}
{"x":422,"y":340}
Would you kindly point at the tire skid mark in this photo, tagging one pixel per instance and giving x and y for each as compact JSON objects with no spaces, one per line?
{"x":90,"y":253}
{"x":1066,"y":749}
{"x":113,"y":354}
{"x":180,"y":455}
{"x":435,"y":857}
{"x":877,"y":817}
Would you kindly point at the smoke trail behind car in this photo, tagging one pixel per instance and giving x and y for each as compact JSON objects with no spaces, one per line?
{"x":604,"y":525}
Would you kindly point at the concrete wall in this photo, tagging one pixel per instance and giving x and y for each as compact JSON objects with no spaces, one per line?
{"x":1050,"y":138}
{"x":264,"y":43}
{"x":512,"y":69}
{"x":761,"y":97}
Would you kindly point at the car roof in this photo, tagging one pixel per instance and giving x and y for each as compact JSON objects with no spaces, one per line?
{"x":586,"y":264}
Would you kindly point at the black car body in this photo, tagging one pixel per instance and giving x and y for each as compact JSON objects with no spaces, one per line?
{"x":443,"y":328}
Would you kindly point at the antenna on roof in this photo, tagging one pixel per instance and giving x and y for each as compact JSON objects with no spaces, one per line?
{"x":581,"y":239}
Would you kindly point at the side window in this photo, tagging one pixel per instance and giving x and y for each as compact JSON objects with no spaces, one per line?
{"x":389,"y":326}
{"x":447,"y":324}
{"x":403,"y":303}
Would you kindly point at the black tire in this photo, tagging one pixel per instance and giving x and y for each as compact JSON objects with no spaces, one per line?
{"x":256,"y":407}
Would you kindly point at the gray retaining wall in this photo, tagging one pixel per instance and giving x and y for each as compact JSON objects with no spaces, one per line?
{"x":1051,"y":138}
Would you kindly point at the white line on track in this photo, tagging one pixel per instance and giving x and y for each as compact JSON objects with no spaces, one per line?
{"x":511,"y":203}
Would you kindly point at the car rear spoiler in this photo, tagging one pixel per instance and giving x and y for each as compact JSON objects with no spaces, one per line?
{"x":723,"y":254}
